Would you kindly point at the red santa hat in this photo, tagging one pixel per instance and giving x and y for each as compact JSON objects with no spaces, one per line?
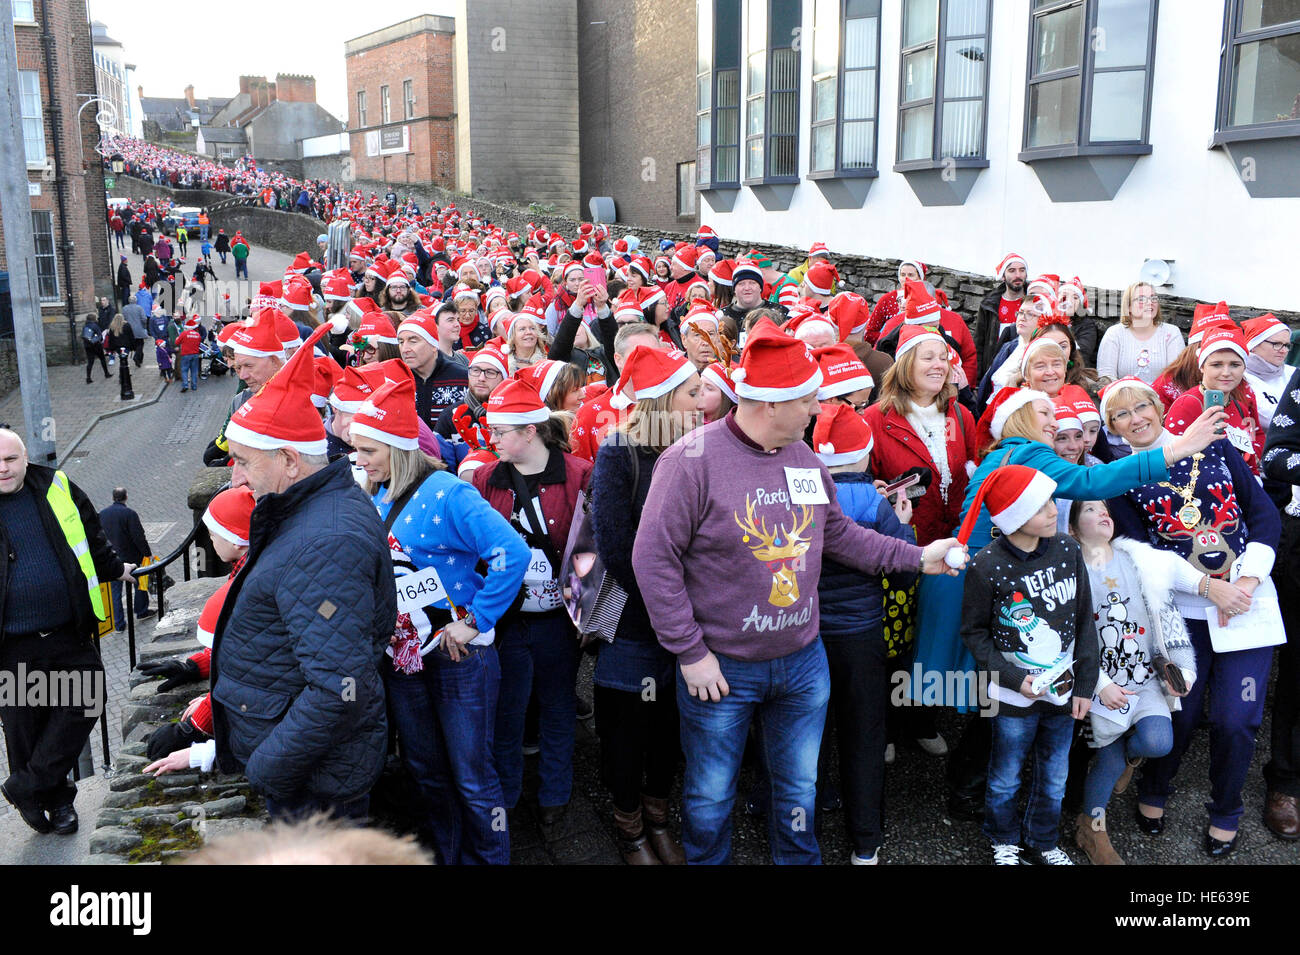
{"x":775,"y":367}
{"x":389,"y":416}
{"x":542,"y":375}
{"x":491,"y":356}
{"x":1075,"y":285}
{"x":922,"y":307}
{"x":1066,"y":417}
{"x":850,"y":312}
{"x":1120,"y":384}
{"x":1085,"y":409}
{"x":841,"y":436}
{"x":1013,"y":494}
{"x":914,"y":263}
{"x":328,"y":372}
{"x":268,"y":296}
{"x":257,"y":339}
{"x":336,"y":286}
{"x":909,"y":336}
{"x":229,"y":515}
{"x":627,"y":307}
{"x":1206,"y":317}
{"x":395,"y":274}
{"x":701,"y":315}
{"x":721,"y":273}
{"x":1008,"y":260}
{"x":281,"y":415}
{"x":842,"y":372}
{"x":821,"y":277}
{"x":1222,"y":339}
{"x":644,"y":267}
{"x":516,"y":403}
{"x":1260,"y":329}
{"x":358,"y":383}
{"x":422,"y":322}
{"x":302,"y":262}
{"x":648,"y":373}
{"x":1045,"y":285}
{"x":1005,"y":403}
{"x":808,"y":319}
{"x":818,"y":249}
{"x":687,"y":256}
{"x":473,"y":461}
{"x":719,"y":375}
{"x":296,"y":293}
{"x":377,"y":328}
{"x":205,"y":633}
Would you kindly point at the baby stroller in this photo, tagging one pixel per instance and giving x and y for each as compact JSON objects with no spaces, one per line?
{"x":210,"y":358}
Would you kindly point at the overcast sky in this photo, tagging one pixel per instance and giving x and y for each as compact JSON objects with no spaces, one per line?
{"x":211,"y":45}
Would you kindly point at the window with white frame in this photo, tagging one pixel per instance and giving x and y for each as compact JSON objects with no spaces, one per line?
{"x":686,"y":188}
{"x":24,"y":11}
{"x":29,"y":95}
{"x":846,"y":58}
{"x":1260,"y":82}
{"x":943,"y":82}
{"x":408,"y":100}
{"x":47,"y":271}
{"x":385,"y":110}
{"x":772,"y":91}
{"x":361,"y":108}
{"x":1090,"y":65}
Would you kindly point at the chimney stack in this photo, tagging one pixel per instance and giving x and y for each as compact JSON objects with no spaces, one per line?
{"x":189,"y":95}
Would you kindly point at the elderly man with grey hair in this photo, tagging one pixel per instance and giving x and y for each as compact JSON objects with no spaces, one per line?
{"x":51,"y":605}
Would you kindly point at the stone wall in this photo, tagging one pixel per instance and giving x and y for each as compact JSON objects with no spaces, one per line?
{"x":8,"y":366}
{"x":290,"y":232}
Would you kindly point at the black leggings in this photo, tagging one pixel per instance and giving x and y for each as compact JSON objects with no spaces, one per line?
{"x":95,"y":353}
{"x":638,"y":744}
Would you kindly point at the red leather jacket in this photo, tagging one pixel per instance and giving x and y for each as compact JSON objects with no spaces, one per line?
{"x":898,"y":448}
{"x":561,"y":480}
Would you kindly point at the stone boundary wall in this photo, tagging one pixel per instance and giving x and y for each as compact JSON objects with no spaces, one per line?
{"x":869,"y":277}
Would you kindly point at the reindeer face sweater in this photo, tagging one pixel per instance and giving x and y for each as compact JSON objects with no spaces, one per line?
{"x":728,"y":560}
{"x":1211,"y":512}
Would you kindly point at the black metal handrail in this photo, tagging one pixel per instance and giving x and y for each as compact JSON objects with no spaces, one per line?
{"x":182,"y":551}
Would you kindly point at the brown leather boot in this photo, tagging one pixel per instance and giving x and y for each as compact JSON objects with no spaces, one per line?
{"x":1282,"y":816}
{"x":668,"y":849}
{"x":1090,"y":836}
{"x":632,"y":840}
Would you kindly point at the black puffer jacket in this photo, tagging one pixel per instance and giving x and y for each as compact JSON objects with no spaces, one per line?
{"x":297,"y":700}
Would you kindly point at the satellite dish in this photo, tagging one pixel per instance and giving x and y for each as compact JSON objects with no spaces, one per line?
{"x":1155,"y":272}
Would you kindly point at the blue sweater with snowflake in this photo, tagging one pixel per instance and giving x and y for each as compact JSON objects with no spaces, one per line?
{"x":447,"y":525}
{"x":1022,"y":611}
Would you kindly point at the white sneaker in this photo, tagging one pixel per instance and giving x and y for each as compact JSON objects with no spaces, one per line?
{"x":889,"y":754}
{"x":856,"y":859}
{"x":1053,"y":856}
{"x":935,"y":745}
{"x":1007,"y":854}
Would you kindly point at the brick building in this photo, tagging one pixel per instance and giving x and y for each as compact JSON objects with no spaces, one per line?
{"x":266,"y":119}
{"x":401,"y":103}
{"x":64,"y":171}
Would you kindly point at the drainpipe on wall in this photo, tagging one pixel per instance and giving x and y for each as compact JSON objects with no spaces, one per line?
{"x":55,"y":114}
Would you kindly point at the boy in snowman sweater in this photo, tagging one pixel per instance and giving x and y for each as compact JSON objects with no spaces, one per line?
{"x":1027,"y":619}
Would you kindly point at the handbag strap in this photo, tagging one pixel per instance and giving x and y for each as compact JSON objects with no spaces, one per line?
{"x":532,"y":533}
{"x":396,"y":509}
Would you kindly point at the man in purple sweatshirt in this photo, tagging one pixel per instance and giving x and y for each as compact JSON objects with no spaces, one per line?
{"x":729,"y":567}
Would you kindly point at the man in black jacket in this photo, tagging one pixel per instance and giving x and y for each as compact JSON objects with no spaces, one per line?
{"x":50,"y":608}
{"x":124,"y":531}
{"x":999,"y":307}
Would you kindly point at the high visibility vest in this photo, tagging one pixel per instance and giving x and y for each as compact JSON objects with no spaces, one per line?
{"x":65,"y":510}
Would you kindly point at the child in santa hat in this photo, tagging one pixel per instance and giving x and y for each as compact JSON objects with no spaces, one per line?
{"x":1026,"y":619}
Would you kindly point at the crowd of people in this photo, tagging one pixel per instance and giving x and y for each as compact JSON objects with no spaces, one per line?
{"x":765,"y":504}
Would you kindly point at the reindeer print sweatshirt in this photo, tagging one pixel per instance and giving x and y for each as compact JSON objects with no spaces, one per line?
{"x":1225,"y":526}
{"x":728,"y":555}
{"x":1021,"y":612}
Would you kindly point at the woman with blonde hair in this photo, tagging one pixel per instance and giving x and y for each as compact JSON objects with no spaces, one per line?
{"x":526,"y":342}
{"x":1142,"y":344}
{"x":120,"y":342}
{"x":638,"y":736}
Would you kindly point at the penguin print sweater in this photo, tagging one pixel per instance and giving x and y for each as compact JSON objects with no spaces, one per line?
{"x":1022,"y":611}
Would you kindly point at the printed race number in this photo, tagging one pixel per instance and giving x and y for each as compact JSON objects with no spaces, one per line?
{"x":805,"y":485}
{"x":419,"y":590}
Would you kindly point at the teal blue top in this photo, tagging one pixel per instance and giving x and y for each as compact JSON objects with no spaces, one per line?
{"x":1073,"y":481}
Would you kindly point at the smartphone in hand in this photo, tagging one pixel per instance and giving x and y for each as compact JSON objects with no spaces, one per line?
{"x":1215,"y":399}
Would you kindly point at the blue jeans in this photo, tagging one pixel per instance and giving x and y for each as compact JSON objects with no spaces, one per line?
{"x":241,"y":268}
{"x":788,"y":696}
{"x":1235,"y":683}
{"x":1149,"y":736}
{"x":203,"y":233}
{"x":141,"y":602}
{"x":1048,"y":735}
{"x":444,"y":717}
{"x":190,"y":371}
{"x":537,"y":654}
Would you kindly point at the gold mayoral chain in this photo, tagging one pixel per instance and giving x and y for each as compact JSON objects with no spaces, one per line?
{"x":1189,"y":515}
